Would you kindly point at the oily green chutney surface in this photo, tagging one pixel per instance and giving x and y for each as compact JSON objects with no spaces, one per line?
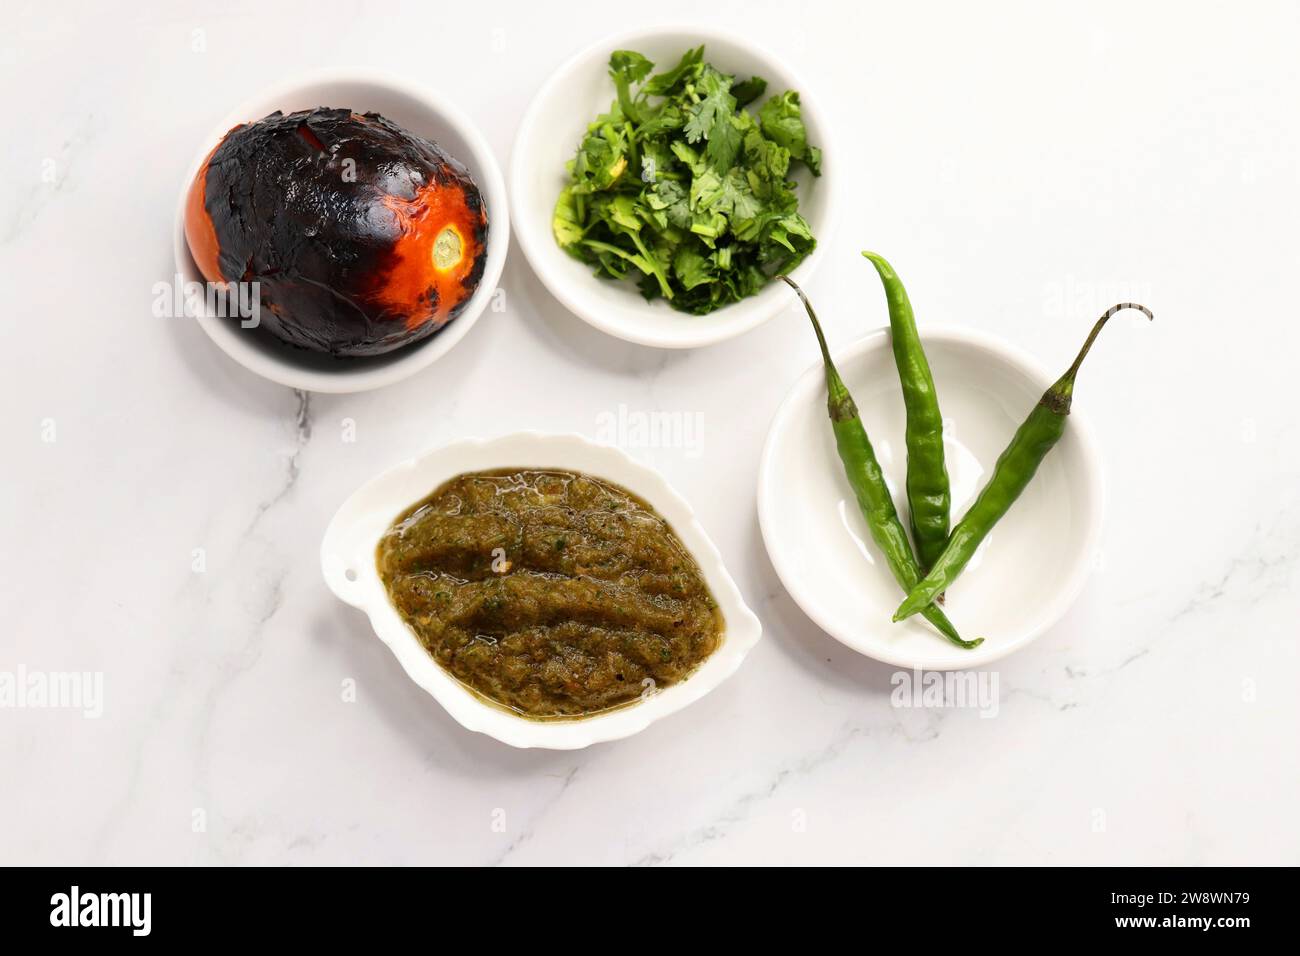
{"x":551,"y":593}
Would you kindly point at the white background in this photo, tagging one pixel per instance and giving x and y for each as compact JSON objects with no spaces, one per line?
{"x":1023,"y":164}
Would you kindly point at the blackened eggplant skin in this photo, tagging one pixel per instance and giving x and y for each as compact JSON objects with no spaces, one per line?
{"x":363,"y":238}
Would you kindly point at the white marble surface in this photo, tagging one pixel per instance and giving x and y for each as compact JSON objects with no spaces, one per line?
{"x":1023,"y":166}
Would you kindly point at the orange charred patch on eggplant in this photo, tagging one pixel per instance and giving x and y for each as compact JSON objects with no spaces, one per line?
{"x":312,"y":139}
{"x":200,"y":234}
{"x":437,"y":258}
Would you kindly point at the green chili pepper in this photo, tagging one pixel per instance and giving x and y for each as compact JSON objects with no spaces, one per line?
{"x":868,"y":483}
{"x":1016,"y":466}
{"x":928,"y":497}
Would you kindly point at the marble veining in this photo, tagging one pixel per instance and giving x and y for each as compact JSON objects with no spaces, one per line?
{"x":250,"y":718}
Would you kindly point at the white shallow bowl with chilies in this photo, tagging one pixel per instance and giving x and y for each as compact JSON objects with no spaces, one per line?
{"x":1026,"y":573}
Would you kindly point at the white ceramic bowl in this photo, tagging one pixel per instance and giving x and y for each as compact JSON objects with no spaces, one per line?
{"x":423,"y":113}
{"x":348,"y":563}
{"x":548,"y":137}
{"x":1029,"y":569}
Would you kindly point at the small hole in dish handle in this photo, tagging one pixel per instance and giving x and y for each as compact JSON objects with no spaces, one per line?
{"x":350,"y":574}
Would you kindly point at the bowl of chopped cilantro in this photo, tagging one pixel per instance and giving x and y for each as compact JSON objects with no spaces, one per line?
{"x":662,"y":179}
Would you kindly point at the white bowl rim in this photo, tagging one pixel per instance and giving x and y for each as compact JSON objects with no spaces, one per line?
{"x":1072,"y":584}
{"x":406,"y":362}
{"x":743,"y":628}
{"x":755,"y":312}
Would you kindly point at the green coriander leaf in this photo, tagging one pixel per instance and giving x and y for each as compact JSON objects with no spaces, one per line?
{"x":657,"y":162}
{"x":630,"y":64}
{"x":787,"y":242}
{"x":566,"y":222}
{"x":672,"y":199}
{"x":740,"y":199}
{"x":641,"y":260}
{"x":601,"y":159}
{"x":692,"y":267}
{"x":665,"y":194}
{"x":687,"y":68}
{"x":623,"y":215}
{"x":768,"y":162}
{"x":715,"y":103}
{"x":782,"y":122}
{"x":625,"y":68}
{"x":724,"y":143}
{"x":660,"y":122}
{"x":687,"y":155}
{"x":746,"y":91}
{"x":706,"y":191}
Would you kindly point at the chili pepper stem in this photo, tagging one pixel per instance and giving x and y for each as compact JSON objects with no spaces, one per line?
{"x":817,"y":326}
{"x":1096,"y":330}
{"x":838,"y":400}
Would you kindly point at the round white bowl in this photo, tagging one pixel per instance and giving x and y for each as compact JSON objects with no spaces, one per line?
{"x":348,"y":563}
{"x":424,"y":114}
{"x":548,"y":138}
{"x":1028,"y":570}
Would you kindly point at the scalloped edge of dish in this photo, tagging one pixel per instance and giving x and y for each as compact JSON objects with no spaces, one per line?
{"x":348,"y":565}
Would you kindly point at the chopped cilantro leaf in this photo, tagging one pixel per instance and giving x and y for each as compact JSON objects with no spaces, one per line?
{"x":680,"y":187}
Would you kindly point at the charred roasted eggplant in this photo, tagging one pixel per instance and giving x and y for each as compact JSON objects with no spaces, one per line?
{"x":362,"y":237}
